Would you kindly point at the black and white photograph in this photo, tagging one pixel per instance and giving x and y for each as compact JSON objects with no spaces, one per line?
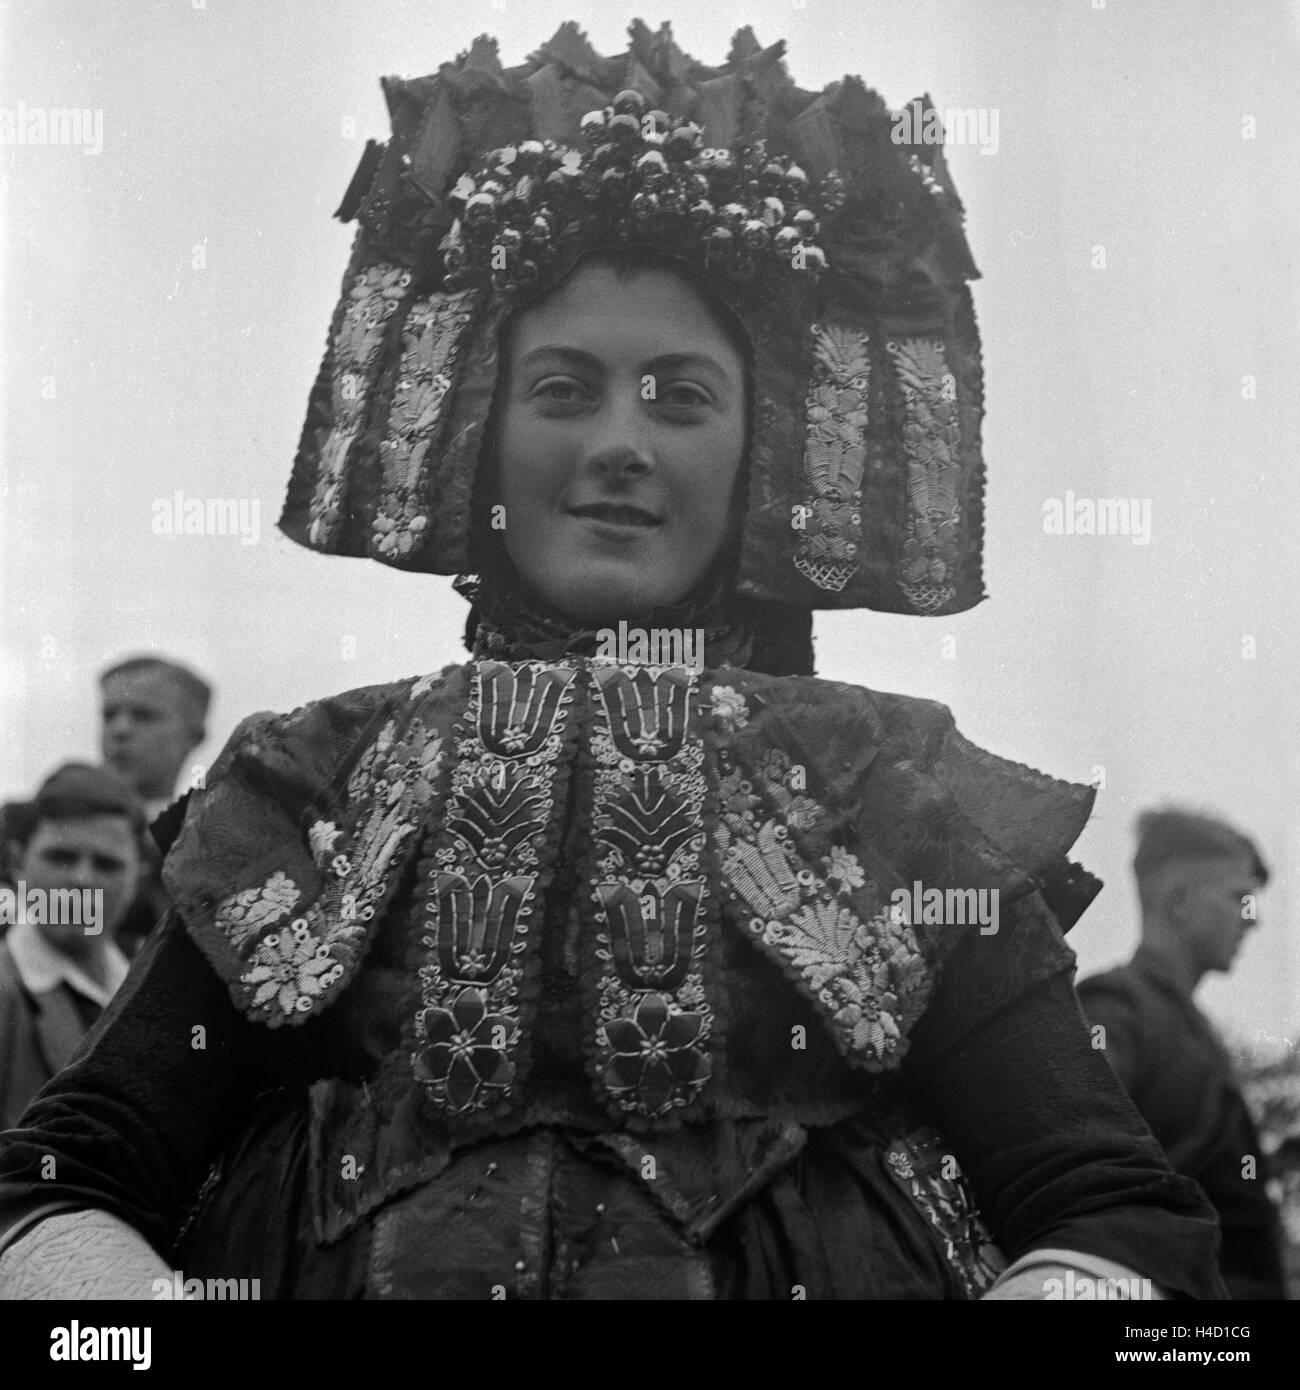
{"x":650,"y":655}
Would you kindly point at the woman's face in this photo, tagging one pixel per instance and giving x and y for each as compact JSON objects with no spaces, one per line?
{"x":620,"y":443}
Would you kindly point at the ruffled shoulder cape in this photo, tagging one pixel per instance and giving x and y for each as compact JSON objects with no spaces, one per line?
{"x":837,"y":818}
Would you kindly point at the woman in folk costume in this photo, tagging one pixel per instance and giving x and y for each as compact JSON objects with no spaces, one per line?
{"x":610,"y":963}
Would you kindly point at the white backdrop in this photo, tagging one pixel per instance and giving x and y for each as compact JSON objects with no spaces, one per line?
{"x":166,"y":301}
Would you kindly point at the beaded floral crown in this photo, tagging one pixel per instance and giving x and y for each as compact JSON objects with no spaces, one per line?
{"x":644,"y":179}
{"x":837,"y":243}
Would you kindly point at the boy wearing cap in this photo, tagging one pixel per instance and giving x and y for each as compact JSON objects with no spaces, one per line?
{"x":76,"y":858}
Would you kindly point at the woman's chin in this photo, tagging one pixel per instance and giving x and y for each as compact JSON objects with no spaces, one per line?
{"x":598,"y":599}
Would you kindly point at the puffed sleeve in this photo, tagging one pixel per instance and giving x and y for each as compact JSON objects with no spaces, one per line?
{"x":1055,"y":1152}
{"x":132,"y":1124}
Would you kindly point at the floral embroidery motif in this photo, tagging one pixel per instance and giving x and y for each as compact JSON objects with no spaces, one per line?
{"x":865,"y":972}
{"x":835,"y":454}
{"x":468,"y":1049}
{"x":931,"y":437}
{"x":729,"y":707}
{"x":917,"y":1165}
{"x":247,"y":912}
{"x":653,"y":1054}
{"x":482,"y":887}
{"x":652,"y":904}
{"x":373,"y":298}
{"x":844,"y":869}
{"x":430,"y":340}
{"x":293,"y":967}
{"x":321,"y":837}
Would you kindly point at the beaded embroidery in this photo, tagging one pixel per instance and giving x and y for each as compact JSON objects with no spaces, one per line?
{"x":652,"y":900}
{"x":430,"y":340}
{"x":920,"y":1168}
{"x":372,"y":300}
{"x":295,"y":965}
{"x":483,"y":886}
{"x":931,"y":438}
{"x":835,"y":455}
{"x":865,"y":972}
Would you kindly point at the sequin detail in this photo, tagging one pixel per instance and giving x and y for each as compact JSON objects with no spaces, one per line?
{"x":928,"y":1174}
{"x":430,"y":341}
{"x":864,"y":971}
{"x":483,"y":888}
{"x":652,"y":899}
{"x":835,"y":455}
{"x":931,"y":438}
{"x":373,"y":298}
{"x":296,"y":962}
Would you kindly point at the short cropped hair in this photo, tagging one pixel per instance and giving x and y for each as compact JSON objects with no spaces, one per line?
{"x":195,"y":691}
{"x":73,"y":792}
{"x":1173,"y":836}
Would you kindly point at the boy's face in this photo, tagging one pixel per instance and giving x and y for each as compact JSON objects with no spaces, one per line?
{"x":147,"y":731}
{"x":1214,"y":893}
{"x":99,"y":853}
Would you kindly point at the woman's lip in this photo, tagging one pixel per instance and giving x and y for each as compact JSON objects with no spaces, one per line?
{"x":623,"y":530}
{"x":624,"y":518}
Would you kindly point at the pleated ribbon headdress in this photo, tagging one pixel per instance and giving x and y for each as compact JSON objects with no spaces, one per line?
{"x":837,"y":244}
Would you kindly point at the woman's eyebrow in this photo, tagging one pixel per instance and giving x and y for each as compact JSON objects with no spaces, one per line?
{"x":658,"y":366}
{"x":687,"y":362}
{"x":576,"y":356}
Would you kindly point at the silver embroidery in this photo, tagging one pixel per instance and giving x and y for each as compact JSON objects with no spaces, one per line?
{"x":835,"y":455}
{"x":931,"y":437}
{"x":430,"y":341}
{"x":374,"y":297}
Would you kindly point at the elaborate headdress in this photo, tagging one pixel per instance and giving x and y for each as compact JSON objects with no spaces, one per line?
{"x":836,"y":242}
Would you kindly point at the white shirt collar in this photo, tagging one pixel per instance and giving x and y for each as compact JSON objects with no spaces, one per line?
{"x":41,"y":968}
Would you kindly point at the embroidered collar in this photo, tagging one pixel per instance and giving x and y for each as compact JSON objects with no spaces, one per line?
{"x":508,"y":624}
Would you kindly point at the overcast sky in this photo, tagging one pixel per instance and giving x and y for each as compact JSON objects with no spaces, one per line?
{"x":166,"y":301}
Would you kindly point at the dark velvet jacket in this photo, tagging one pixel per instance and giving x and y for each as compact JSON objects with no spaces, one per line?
{"x":571,"y":979}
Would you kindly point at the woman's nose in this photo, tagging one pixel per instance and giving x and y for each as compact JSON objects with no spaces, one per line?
{"x":618,"y":462}
{"x":618,"y":447}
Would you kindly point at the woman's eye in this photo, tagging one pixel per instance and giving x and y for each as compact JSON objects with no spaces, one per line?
{"x":559,"y":389}
{"x":680,"y":393}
